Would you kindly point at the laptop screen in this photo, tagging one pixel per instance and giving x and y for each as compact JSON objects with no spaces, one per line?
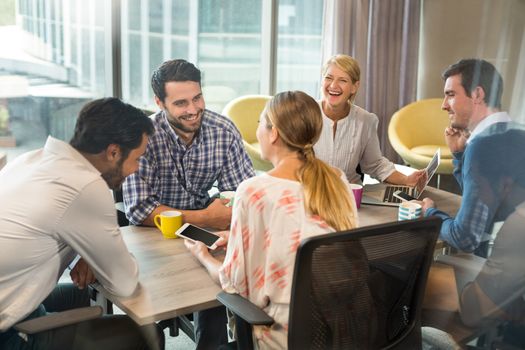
{"x":431,"y":169}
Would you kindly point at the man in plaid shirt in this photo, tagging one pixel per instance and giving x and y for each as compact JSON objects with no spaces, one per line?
{"x":192,"y":148}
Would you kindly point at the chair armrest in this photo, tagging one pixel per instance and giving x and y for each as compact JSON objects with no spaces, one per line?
{"x":59,"y":319}
{"x":245,"y":309}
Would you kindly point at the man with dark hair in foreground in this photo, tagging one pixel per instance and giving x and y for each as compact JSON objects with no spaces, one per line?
{"x":56,"y":203}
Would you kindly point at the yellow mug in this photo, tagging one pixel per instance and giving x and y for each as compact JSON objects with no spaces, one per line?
{"x":168,"y":222}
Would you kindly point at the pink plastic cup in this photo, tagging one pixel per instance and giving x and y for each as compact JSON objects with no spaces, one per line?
{"x":358,"y":194}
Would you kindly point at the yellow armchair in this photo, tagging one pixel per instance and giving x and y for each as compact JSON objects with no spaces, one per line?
{"x":244,"y":111}
{"x":417,"y":130}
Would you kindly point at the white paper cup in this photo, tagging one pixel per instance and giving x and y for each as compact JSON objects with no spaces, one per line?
{"x":409,"y":211}
{"x":228,"y":195}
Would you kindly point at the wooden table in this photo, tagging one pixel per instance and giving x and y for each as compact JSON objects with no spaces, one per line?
{"x":173,"y":283}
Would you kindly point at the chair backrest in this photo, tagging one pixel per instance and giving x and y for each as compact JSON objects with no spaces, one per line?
{"x":244,"y":111}
{"x":420,"y":123}
{"x":362,"y":288}
{"x":119,"y":206}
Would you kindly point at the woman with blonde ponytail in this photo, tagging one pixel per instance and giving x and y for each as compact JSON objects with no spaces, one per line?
{"x":300,"y":197}
{"x":297,"y":121}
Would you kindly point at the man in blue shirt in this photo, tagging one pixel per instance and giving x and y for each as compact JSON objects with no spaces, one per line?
{"x":192,"y":148}
{"x":489,"y":160}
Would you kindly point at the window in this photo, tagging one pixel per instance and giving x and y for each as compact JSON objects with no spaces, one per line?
{"x":298,"y":46}
{"x":56,"y":61}
{"x":225,"y":40}
{"x":62,"y":54}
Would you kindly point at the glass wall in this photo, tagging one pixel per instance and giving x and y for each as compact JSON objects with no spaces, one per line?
{"x":70,"y":35}
{"x":211,"y":34}
{"x":298,"y":46}
{"x":60,"y":54}
{"x":224,"y":39}
{"x":54,"y":60}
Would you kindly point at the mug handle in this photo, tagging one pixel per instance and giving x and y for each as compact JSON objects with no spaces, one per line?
{"x":156,"y":220}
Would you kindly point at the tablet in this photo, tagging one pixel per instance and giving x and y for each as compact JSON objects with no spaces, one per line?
{"x":194,"y":233}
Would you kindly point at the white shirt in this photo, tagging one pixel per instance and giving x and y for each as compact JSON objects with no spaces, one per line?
{"x":494,"y":118}
{"x":54,"y":204}
{"x":355,"y":143}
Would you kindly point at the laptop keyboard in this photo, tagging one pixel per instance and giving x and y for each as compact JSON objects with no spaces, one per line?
{"x":389,"y":193}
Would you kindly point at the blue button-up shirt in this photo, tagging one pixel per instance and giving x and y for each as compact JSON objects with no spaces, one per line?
{"x":180,"y":176}
{"x":491,"y":173}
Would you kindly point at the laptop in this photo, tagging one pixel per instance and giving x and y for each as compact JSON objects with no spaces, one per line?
{"x":383,"y":194}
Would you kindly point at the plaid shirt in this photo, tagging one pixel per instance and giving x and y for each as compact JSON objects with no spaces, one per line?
{"x":180,"y":176}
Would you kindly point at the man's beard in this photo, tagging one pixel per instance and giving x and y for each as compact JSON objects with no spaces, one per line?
{"x":177,"y":124}
{"x":114,"y":177}
{"x":458,"y":126}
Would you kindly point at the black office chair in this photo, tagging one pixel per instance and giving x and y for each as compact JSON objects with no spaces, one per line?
{"x":357,"y":289}
{"x":119,"y":206}
{"x":360,"y":172}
